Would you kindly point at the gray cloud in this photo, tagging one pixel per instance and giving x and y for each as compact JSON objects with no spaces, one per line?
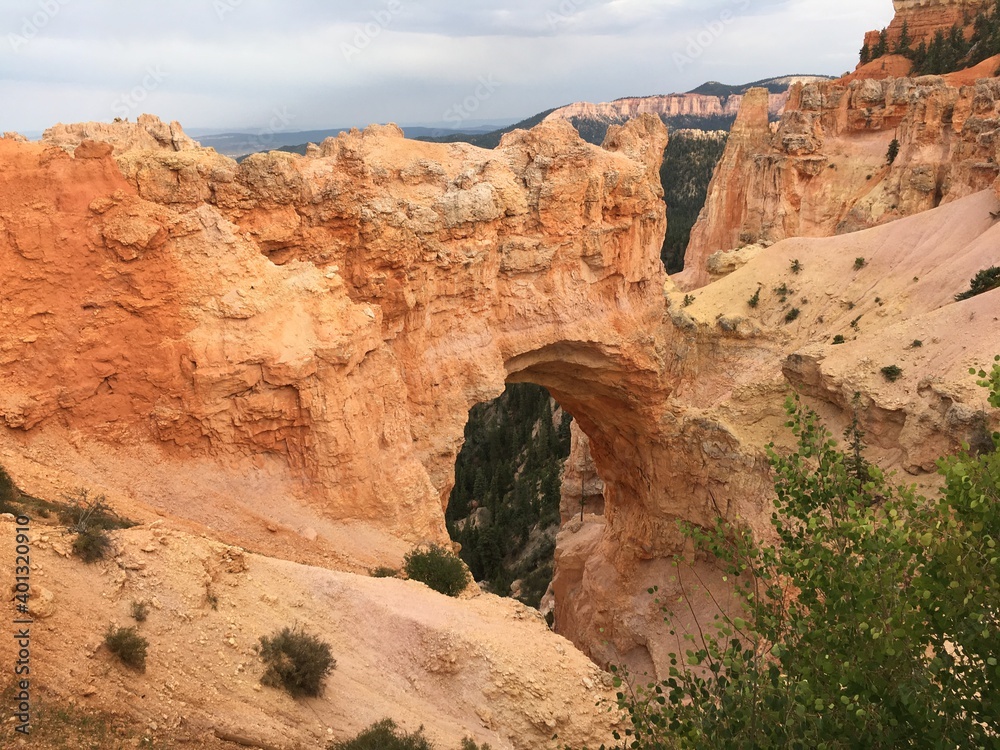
{"x":221,"y":63}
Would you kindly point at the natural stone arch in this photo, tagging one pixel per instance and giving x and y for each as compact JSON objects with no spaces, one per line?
{"x":334,"y":317}
{"x":608,"y":398}
{"x":658,"y":468}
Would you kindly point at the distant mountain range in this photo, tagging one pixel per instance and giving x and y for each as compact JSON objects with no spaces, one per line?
{"x":711,"y":106}
{"x":240,"y":144}
{"x":774,"y":85}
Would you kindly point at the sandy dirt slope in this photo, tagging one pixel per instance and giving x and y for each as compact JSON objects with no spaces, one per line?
{"x":402,"y":650}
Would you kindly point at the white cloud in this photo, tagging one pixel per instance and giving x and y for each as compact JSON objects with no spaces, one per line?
{"x":341,"y":63}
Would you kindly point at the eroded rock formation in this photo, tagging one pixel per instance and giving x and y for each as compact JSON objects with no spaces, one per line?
{"x":923,"y":18}
{"x":147,"y":133}
{"x":413,"y":281}
{"x":671,"y":105}
{"x":285,"y":351}
{"x":825,"y":170}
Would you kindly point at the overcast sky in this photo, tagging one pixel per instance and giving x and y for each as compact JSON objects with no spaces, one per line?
{"x":310,"y":64}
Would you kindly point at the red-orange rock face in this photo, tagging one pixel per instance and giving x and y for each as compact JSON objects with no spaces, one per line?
{"x":324,"y":322}
{"x":924,"y":18}
{"x":825,"y":171}
{"x":284,"y":352}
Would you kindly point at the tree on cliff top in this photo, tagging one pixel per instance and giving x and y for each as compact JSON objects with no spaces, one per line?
{"x":874,"y":623}
{"x":965,"y":44}
{"x":866,"y":53}
{"x":882,"y":45}
{"x":903,"y":45}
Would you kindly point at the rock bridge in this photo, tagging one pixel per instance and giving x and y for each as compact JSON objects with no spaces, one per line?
{"x":285,"y":351}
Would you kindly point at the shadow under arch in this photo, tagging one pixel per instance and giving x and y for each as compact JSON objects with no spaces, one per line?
{"x":602,"y":390}
{"x":656,"y":470}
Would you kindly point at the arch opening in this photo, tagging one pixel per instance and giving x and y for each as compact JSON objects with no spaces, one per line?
{"x":505,"y":507}
{"x":526,"y":471}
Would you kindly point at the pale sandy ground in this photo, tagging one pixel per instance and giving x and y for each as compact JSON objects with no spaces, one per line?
{"x":904,"y":293}
{"x":480,"y":666}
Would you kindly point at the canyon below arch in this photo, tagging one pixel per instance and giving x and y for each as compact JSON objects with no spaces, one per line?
{"x":274,"y":361}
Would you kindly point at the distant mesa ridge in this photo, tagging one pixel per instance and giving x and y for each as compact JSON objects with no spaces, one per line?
{"x":777,"y":85}
{"x":711,"y":106}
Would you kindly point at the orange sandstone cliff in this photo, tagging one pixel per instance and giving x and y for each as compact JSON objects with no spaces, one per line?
{"x":671,"y":105}
{"x":924,"y":18}
{"x":279,"y":356}
{"x":825,"y":170}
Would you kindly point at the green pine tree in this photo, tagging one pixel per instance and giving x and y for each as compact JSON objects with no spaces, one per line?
{"x":903,"y":44}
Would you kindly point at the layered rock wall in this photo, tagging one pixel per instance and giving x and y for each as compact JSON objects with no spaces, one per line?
{"x":825,"y":169}
{"x":924,"y":18}
{"x":672,"y":105}
{"x":284,"y":352}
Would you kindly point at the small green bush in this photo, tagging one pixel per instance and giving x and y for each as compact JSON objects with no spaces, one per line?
{"x":295,"y":661}
{"x":128,"y":646}
{"x":384,"y":572}
{"x":859,"y":263}
{"x":386,"y":735}
{"x":839,"y":339}
{"x":755,"y":300}
{"x":892,"y":373}
{"x":438,"y":568}
{"x":893,"y":152}
{"x":92,"y":544}
{"x":792,"y":314}
{"x":917,"y":343}
{"x":140,"y":611}
{"x":688,"y":300}
{"x":985,"y":281}
{"x":90,"y":519}
{"x":796,"y":266}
